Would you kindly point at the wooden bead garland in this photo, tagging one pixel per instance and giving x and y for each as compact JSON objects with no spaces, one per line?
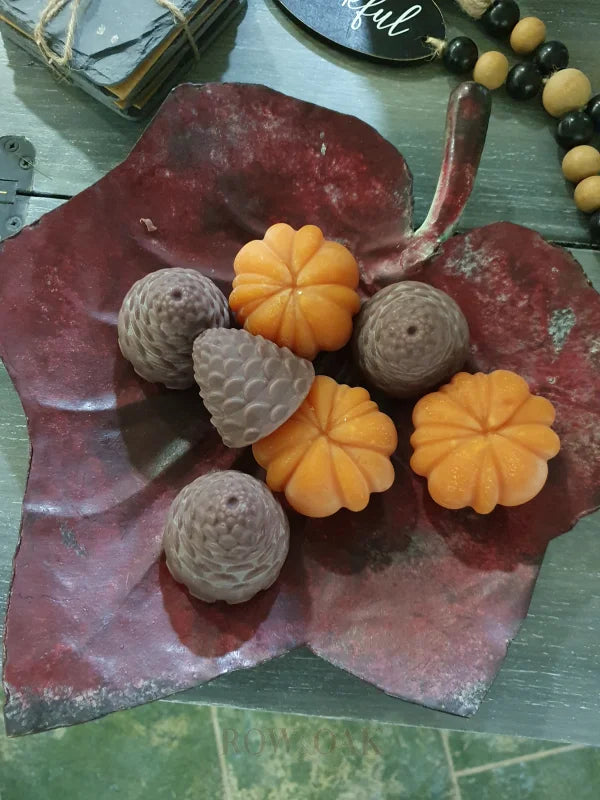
{"x":587,"y":194}
{"x":580,"y":163}
{"x":566,"y":90}
{"x":528,"y":33}
{"x":491,"y":69}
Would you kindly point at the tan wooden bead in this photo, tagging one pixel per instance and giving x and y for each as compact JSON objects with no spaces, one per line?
{"x":587,"y":194}
{"x":527,"y":34}
{"x":566,"y":90}
{"x":581,"y":162}
{"x":491,"y":69}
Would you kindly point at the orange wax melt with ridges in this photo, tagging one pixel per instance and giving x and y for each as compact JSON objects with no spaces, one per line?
{"x":332,"y":453}
{"x":297,"y":289}
{"x":483,"y":440}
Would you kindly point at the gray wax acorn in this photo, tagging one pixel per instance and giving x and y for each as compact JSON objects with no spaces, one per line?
{"x":226,"y":537}
{"x":161,"y":316}
{"x":409,"y":337}
{"x":249,"y":385}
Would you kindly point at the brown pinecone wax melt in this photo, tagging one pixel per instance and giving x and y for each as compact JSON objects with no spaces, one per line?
{"x":249,"y":385}
{"x":161,"y":316}
{"x":226,"y":537}
{"x":409,"y":337}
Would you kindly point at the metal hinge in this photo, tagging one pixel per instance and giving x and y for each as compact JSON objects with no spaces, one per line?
{"x":17,"y":157}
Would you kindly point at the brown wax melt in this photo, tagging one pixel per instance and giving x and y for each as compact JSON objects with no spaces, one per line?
{"x":249,"y":385}
{"x":161,"y":316}
{"x":410,"y":337}
{"x":226,"y":537}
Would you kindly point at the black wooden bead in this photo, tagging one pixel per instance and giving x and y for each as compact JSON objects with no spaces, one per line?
{"x":524,"y":81}
{"x":593,"y":109}
{"x":501,"y":18}
{"x":551,"y":56}
{"x":460,"y":55}
{"x":575,"y":128}
{"x":595,"y":227}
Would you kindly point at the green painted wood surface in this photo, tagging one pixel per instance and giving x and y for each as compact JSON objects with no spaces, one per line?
{"x":548,"y":686}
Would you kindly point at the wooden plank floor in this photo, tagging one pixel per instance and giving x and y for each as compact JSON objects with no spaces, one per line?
{"x":548,"y":686}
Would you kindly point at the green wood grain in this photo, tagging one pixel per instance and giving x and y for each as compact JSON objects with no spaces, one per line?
{"x":38,"y":206}
{"x":520,"y":179}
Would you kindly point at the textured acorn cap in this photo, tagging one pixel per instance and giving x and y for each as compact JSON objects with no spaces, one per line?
{"x":226,"y":537}
{"x":249,"y":385}
{"x":409,"y":337}
{"x":161,"y":316}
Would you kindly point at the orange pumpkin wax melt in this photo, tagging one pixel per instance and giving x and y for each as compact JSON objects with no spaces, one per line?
{"x":297,"y":289}
{"x":332,"y":453}
{"x":483,"y":440}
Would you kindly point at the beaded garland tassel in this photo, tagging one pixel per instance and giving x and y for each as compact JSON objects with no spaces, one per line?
{"x":566,"y":92}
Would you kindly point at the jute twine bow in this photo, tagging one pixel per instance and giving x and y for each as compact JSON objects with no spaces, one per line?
{"x":63,"y":60}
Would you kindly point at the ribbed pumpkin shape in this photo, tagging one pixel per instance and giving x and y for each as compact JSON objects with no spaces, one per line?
{"x":296,"y":289}
{"x":332,"y":453}
{"x":483,"y":440}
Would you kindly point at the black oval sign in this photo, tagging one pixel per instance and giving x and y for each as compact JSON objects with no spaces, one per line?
{"x":392,"y":30}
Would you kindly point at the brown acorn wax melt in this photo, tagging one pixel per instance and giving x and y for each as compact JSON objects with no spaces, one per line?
{"x":161,"y":316}
{"x":410,"y":337}
{"x":226,"y":537}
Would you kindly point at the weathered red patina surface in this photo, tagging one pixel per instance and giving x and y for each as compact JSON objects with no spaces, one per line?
{"x":416,"y":599}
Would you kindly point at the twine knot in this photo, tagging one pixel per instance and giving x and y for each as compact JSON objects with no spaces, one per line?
{"x":62,"y":60}
{"x":39,"y":37}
